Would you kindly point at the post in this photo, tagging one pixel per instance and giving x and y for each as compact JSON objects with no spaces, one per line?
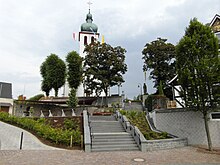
{"x":21,"y":140}
{"x":140,"y":86}
{"x":81,"y":141}
{"x":71,"y":141}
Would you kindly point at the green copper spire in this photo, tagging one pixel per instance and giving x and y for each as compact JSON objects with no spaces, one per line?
{"x":89,"y":26}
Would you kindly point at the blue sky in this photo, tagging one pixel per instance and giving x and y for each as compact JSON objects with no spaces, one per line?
{"x":31,"y":30}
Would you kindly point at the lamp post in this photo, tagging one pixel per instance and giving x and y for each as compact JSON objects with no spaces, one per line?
{"x":119,"y":85}
{"x":0,"y":95}
{"x":140,"y":86}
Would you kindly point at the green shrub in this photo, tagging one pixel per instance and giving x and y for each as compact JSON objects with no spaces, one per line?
{"x":70,"y":124}
{"x":138,"y":119}
{"x":36,"y":97}
{"x":54,"y":135}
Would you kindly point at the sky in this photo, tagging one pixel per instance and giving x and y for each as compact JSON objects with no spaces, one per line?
{"x":32,"y":30}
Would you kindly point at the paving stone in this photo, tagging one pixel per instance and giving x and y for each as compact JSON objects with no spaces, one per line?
{"x":180,"y":156}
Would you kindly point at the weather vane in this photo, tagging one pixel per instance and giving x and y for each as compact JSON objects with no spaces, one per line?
{"x":89,"y":3}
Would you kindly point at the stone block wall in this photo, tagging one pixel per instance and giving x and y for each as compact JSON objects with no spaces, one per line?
{"x":152,"y":145}
{"x":187,"y":124}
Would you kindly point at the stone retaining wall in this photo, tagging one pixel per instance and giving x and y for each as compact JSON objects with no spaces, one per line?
{"x":187,"y":124}
{"x":152,"y":145}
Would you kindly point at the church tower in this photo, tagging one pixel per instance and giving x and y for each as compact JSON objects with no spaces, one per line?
{"x":88,"y":34}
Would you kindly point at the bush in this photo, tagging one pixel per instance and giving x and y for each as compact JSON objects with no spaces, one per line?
{"x":138,"y":119}
{"x":36,"y":97}
{"x":40,"y":128}
{"x":70,"y":124}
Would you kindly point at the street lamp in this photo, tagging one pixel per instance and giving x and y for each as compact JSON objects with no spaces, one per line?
{"x":119,"y":85}
{"x":140,"y":86}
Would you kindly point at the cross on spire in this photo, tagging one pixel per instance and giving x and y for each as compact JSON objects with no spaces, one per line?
{"x":89,"y":3}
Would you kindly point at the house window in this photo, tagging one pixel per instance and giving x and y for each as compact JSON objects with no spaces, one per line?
{"x":85,"y":40}
{"x":215,"y":115}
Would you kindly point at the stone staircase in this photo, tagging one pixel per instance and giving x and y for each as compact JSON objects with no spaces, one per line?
{"x":107,"y":134}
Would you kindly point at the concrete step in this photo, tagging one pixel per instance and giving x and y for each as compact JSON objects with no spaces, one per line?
{"x":104,"y":118}
{"x":101,"y":131}
{"x":124,"y":142}
{"x":109,"y":135}
{"x":105,"y":125}
{"x":112,"y":134}
{"x":117,"y":146}
{"x":114,"y":146}
{"x":103,"y":121}
{"x":117,"y":139}
{"x":115,"y":149}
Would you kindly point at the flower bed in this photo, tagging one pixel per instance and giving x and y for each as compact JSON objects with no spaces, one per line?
{"x":42,"y":129}
{"x":138,"y":119}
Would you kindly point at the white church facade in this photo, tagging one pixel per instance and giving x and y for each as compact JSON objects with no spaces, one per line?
{"x":88,"y":34}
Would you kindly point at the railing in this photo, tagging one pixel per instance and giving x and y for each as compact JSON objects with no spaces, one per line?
{"x":87,"y":132}
{"x":133,"y":130}
{"x":149,"y":145}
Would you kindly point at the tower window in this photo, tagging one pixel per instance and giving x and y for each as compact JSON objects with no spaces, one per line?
{"x":85,"y":40}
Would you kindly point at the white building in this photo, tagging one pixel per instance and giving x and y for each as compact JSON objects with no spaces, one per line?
{"x":88,"y":34}
{"x":6,"y":101}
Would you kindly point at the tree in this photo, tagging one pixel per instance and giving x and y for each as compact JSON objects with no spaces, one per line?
{"x":73,"y":100}
{"x":74,"y":69}
{"x":159,"y":57}
{"x":198,"y":67}
{"x":45,"y":84}
{"x":53,"y":71}
{"x":160,"y":89}
{"x":145,"y":89}
{"x":104,"y":66}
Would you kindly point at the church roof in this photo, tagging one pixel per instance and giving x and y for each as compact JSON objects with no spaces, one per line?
{"x":89,"y":26}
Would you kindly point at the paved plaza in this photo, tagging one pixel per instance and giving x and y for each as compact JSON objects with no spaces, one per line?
{"x":36,"y":153}
{"x":180,"y":156}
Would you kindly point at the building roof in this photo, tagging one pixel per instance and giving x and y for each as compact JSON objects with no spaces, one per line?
{"x":5,"y":90}
{"x":215,"y":23}
{"x":89,"y":26}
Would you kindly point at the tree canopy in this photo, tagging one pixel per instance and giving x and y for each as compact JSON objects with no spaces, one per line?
{"x":198,"y":69}
{"x":74,"y":69}
{"x":104,"y":67}
{"x":159,"y":58}
{"x":53,"y":71}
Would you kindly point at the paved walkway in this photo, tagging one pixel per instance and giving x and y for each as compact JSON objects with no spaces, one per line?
{"x":180,"y":156}
{"x":10,"y":139}
{"x":36,"y":153}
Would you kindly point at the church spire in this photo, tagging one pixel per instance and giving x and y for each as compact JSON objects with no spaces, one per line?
{"x":89,"y":26}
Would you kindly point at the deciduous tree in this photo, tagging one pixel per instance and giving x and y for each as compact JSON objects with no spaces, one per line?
{"x":159,"y":58}
{"x":74,"y":69}
{"x":104,"y":67}
{"x":53,"y":71}
{"x":198,"y":67}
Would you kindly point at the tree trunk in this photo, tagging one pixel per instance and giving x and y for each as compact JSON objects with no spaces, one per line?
{"x":56,"y":92}
{"x":207,"y":130}
{"x":106,"y":97}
